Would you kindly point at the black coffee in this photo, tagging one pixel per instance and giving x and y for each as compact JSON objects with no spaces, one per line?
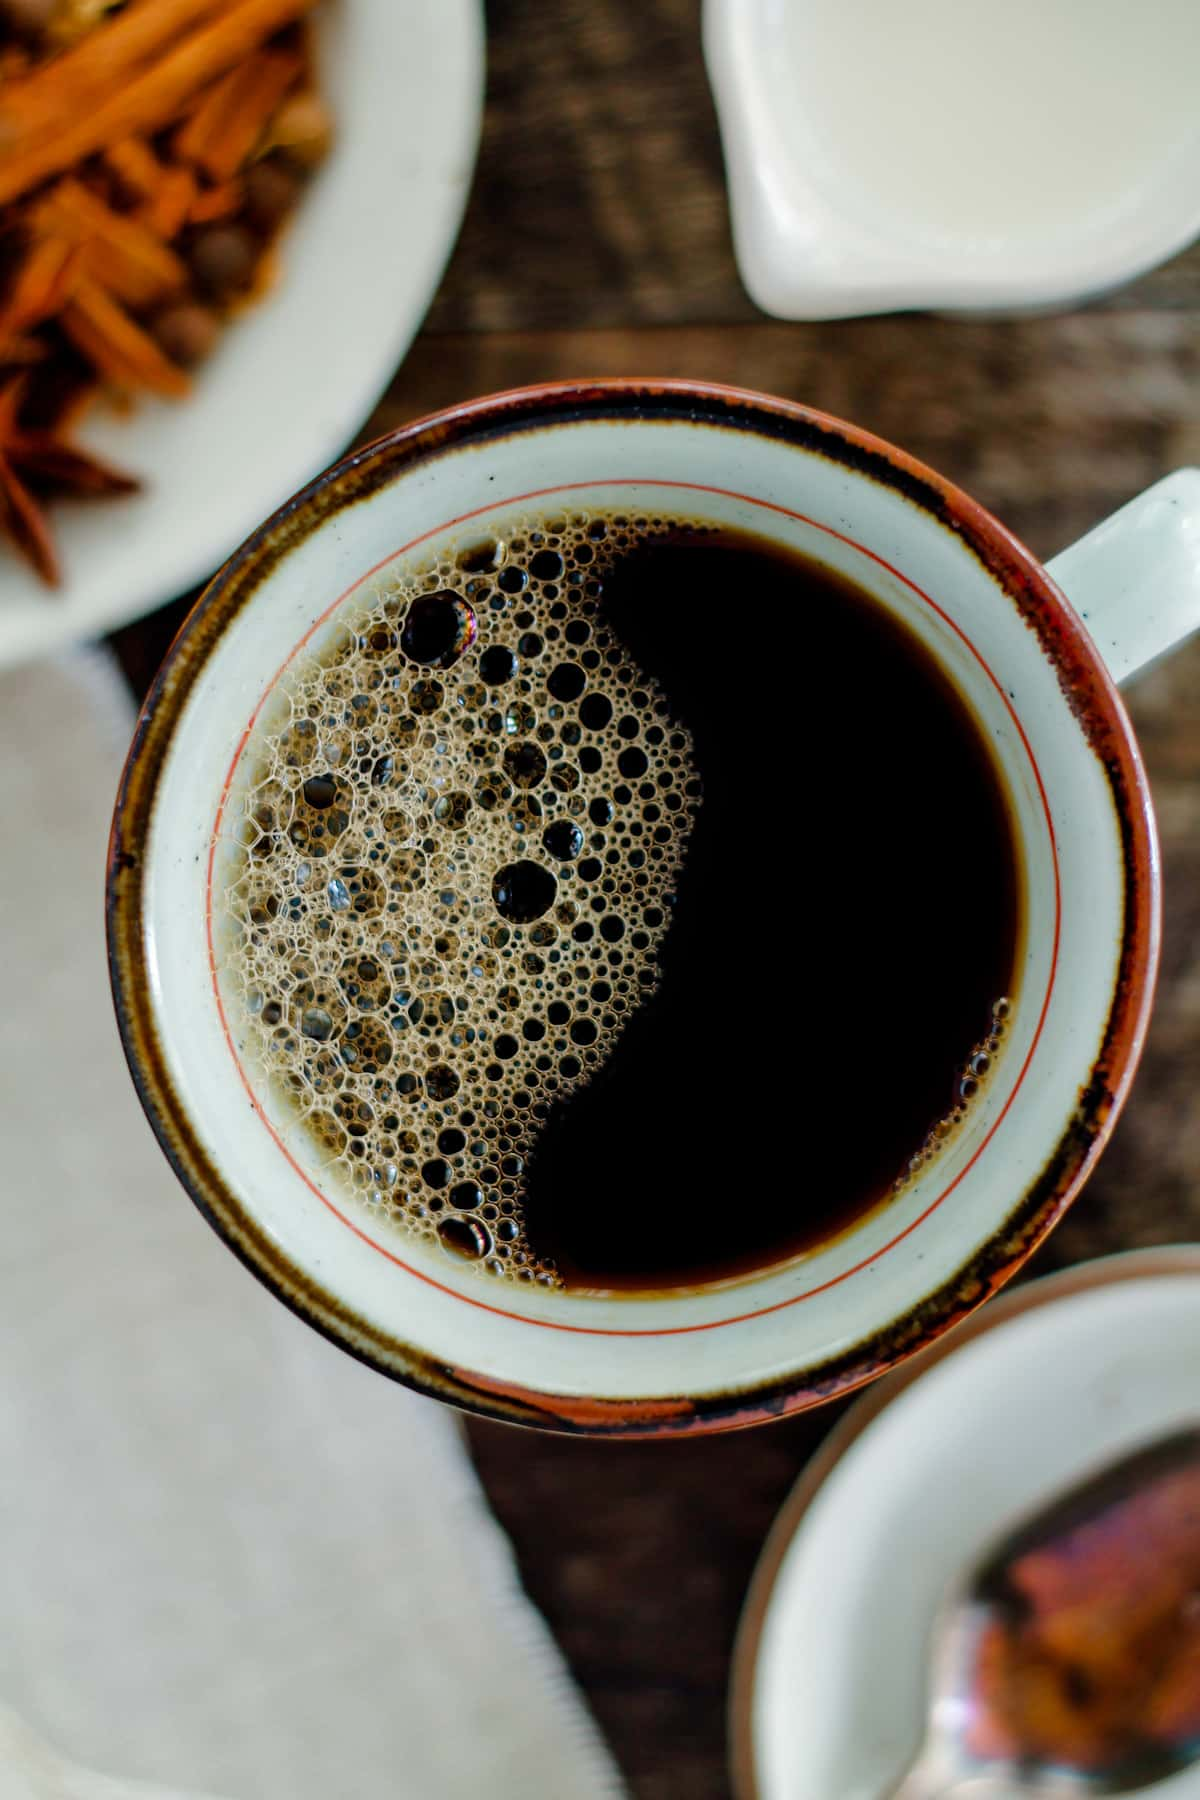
{"x":843,"y":923}
{"x":628,"y":905}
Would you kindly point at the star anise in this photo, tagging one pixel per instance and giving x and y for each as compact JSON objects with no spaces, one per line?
{"x":36,"y":462}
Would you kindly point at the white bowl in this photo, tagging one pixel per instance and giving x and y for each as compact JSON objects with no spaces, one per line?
{"x":1047,"y":1386}
{"x":294,"y":379}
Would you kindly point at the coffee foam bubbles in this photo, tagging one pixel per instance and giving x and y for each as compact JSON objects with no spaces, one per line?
{"x":973,"y":1078}
{"x":457,"y":853}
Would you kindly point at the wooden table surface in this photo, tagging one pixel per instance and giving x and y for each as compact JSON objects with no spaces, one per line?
{"x":597,"y":242}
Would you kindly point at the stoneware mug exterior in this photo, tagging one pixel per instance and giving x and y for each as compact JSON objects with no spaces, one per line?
{"x":1040,"y":681}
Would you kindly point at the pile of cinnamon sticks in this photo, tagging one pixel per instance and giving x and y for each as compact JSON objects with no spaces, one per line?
{"x":150,"y":150}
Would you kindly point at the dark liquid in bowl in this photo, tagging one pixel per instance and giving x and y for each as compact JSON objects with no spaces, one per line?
{"x":845,"y":919}
{"x":623,"y":906}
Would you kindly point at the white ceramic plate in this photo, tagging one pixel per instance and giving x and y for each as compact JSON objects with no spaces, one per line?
{"x":1046,"y":1386}
{"x":294,"y":379}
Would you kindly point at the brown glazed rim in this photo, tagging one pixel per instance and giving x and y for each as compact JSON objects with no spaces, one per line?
{"x":1130,"y":1265}
{"x":1089,"y":692}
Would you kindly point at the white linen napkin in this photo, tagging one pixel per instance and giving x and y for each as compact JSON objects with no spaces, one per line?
{"x":231,"y":1559}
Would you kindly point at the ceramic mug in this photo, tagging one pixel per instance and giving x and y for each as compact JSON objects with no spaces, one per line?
{"x":1041,"y":684}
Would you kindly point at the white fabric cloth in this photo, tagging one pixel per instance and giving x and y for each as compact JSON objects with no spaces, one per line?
{"x":232,"y":1560}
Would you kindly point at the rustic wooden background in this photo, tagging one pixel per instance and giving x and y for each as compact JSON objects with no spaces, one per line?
{"x":597,"y":242}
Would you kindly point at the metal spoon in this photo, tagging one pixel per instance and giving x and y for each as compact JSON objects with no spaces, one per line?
{"x":1068,"y":1664}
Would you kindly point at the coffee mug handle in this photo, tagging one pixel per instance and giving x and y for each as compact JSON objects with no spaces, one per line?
{"x":1135,"y":579}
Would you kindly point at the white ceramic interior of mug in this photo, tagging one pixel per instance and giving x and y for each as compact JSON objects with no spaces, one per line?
{"x":760,"y":1329}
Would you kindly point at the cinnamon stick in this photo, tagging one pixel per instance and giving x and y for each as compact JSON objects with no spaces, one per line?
{"x":223,"y":131}
{"x":117,"y":348}
{"x":135,"y":166}
{"x":99,"y":63}
{"x":153,"y":98}
{"x":120,"y":253}
{"x":167,"y":210}
{"x":41,"y":286}
{"x":204,"y":120}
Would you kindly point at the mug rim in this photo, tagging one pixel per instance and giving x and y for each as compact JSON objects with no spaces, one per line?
{"x":1090,"y":692}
